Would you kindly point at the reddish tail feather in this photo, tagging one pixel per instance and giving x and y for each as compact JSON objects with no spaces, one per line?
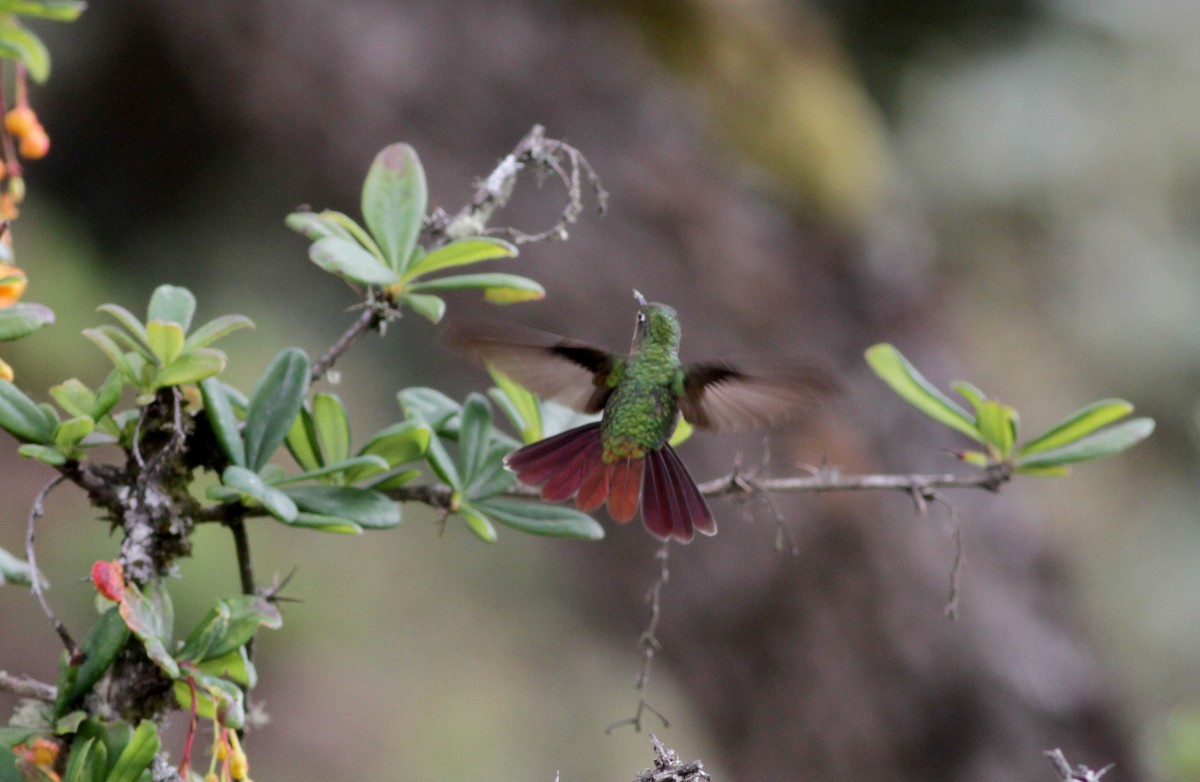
{"x":571,"y":464}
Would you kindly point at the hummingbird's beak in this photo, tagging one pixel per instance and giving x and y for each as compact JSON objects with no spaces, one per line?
{"x":641,"y":300}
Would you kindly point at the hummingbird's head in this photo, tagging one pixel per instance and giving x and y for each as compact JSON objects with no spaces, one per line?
{"x":657,"y":324}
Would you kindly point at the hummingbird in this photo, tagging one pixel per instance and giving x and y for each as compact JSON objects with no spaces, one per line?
{"x":625,"y":459}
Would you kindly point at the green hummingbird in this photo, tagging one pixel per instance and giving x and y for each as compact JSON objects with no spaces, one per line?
{"x":625,"y":458}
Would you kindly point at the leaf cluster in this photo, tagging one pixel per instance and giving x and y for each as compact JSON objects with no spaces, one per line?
{"x":1082,"y":436}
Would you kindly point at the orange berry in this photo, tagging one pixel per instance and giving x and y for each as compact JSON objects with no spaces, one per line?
{"x":20,"y":120}
{"x":34,"y":144}
{"x":6,"y":371}
{"x":10,"y":292}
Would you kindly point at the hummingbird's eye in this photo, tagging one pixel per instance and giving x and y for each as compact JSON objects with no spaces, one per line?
{"x":641,"y":317}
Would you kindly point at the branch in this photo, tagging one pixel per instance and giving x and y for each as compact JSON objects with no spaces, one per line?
{"x":27,"y":688}
{"x":922,"y":486}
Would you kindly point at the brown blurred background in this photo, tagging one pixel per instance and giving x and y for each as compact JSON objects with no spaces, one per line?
{"x":1006,"y":189}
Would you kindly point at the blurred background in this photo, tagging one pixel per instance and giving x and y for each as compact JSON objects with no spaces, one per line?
{"x":1006,"y":189}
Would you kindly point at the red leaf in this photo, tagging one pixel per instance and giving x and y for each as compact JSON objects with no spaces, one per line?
{"x":109,"y":578}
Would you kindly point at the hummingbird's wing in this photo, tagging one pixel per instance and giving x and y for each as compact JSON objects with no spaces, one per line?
{"x":568,"y":371}
{"x":722,"y":398}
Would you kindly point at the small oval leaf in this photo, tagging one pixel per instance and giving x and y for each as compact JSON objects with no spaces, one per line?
{"x":172,"y":303}
{"x":348,"y":259}
{"x":539,"y":518}
{"x":393,"y":203}
{"x":1106,"y":442}
{"x":19,"y":320}
{"x":274,"y":405}
{"x":1078,"y":424}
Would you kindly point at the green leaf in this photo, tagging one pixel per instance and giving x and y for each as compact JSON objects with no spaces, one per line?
{"x":462,"y":252}
{"x":491,"y":478}
{"x":166,"y":340}
{"x":301,"y":441}
{"x":19,"y":320}
{"x":172,"y":303}
{"x":223,"y":421}
{"x":498,"y":288}
{"x":393,"y":481}
{"x":235,"y":666}
{"x":539,"y":518}
{"x":970,"y":393}
{"x":473,"y":436}
{"x":428,"y":306}
{"x":227,"y":626}
{"x":977,"y":458}
{"x":22,"y":417}
{"x":369,"y":465}
{"x":137,"y":756}
{"x":362,"y":506}
{"x":126,"y":319}
{"x":519,"y":404}
{"x":100,"y":648}
{"x":274,"y":405}
{"x":911,"y":386}
{"x":107,"y":395}
{"x":323,"y":523}
{"x":251,"y":486}
{"x":18,"y":43}
{"x":316,"y":226}
{"x":151,"y":617}
{"x":477,"y":523}
{"x":68,"y":433}
{"x":998,"y":425}
{"x":117,"y":356}
{"x":74,"y":397}
{"x":1053,"y":471}
{"x":333,"y":427}
{"x":442,"y":465}
{"x":57,"y":10}
{"x":215,"y":329}
{"x":348,"y":259}
{"x":397,"y":444}
{"x":43,"y":453}
{"x":428,"y":405}
{"x":216,"y":698}
{"x":1097,"y":445}
{"x":1078,"y":424}
{"x":393,"y":203}
{"x":13,"y":570}
{"x":83,"y":764}
{"x":191,"y":367}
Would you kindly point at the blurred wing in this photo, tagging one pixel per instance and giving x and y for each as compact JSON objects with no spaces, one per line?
{"x":568,"y":371}
{"x":719,"y":397}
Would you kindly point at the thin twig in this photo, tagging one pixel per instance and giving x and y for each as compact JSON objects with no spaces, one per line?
{"x":650,"y":646}
{"x":35,"y":576}
{"x":25,"y":687}
{"x":542,"y":155}
{"x":368,"y":319}
{"x":1080,"y":774}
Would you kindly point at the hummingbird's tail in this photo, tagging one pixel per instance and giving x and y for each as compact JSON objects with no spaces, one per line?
{"x":572,"y":464}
